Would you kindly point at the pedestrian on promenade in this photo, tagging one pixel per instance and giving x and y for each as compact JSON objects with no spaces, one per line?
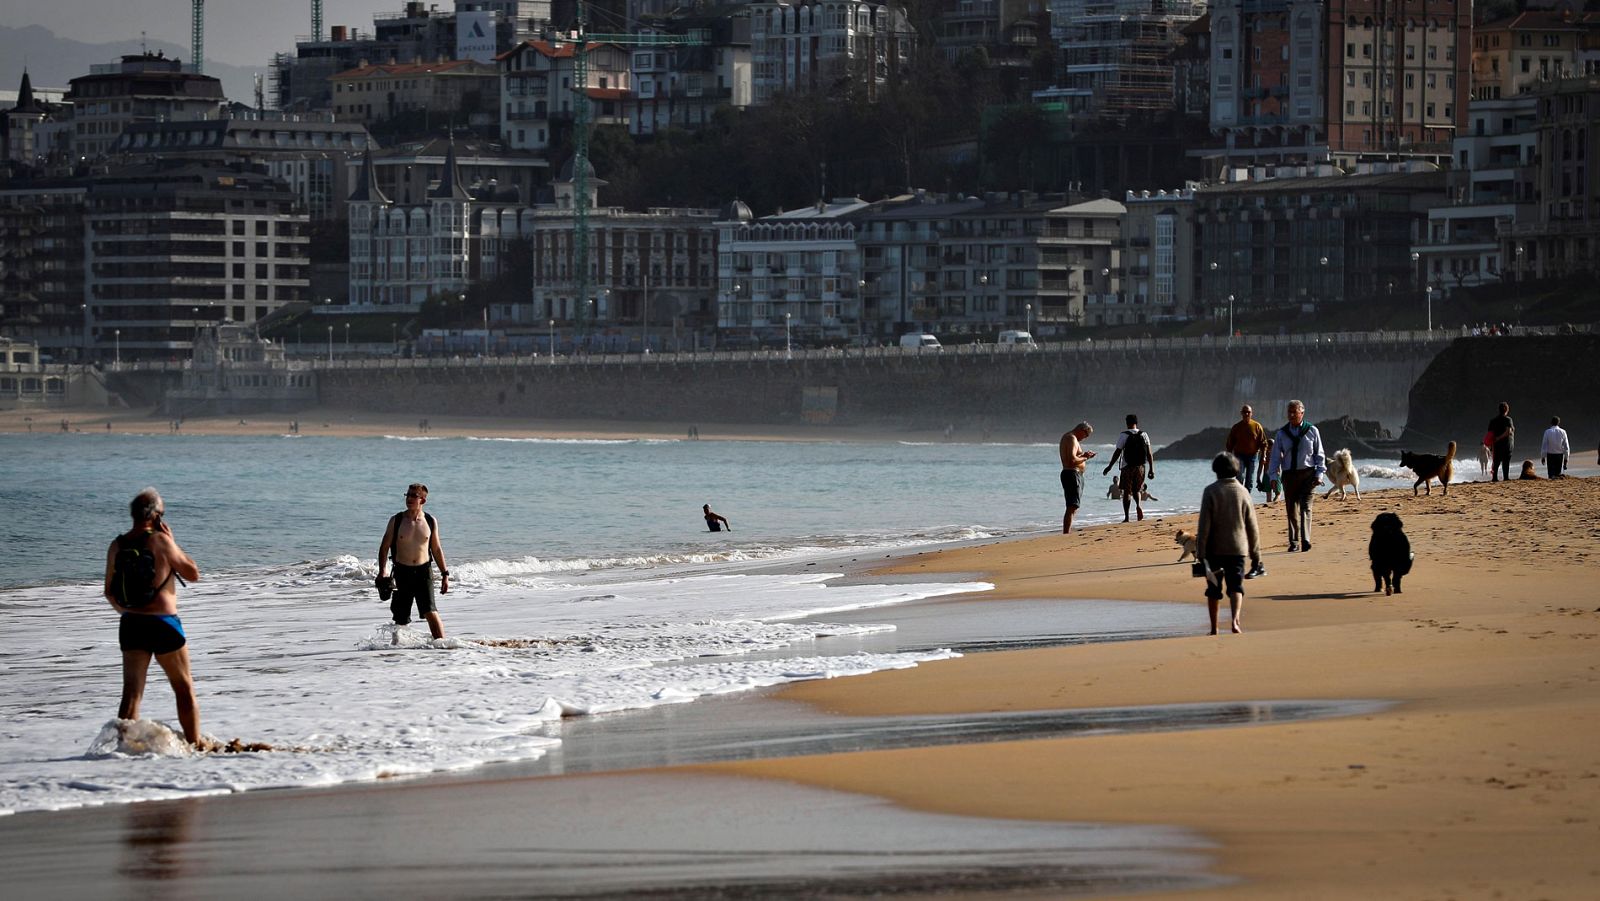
{"x":1074,"y":456}
{"x":1226,"y":535}
{"x":1299,"y":462}
{"x":1555,"y":448}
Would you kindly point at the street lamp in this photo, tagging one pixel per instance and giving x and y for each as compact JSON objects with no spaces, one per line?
{"x":788,"y":349}
{"x":1429,"y":292}
{"x":394,"y":337}
{"x":118,"y":333}
{"x":552,"y":341}
{"x":486,"y":330}
{"x":1230,"y":318}
{"x":1027,"y":310}
{"x":347,"y":337}
{"x":330,"y":345}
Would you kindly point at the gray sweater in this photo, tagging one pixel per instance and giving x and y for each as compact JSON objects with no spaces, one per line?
{"x":1227,"y":522}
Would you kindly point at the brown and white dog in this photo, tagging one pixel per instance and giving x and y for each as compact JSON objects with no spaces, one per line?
{"x":1187,"y":540}
{"x":1431,"y":466}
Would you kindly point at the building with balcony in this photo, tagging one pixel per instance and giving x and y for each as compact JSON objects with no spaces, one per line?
{"x":1298,"y":82}
{"x":536,"y":90}
{"x":683,"y":86}
{"x":41,"y":265}
{"x":404,"y":251}
{"x":814,"y":46}
{"x":1116,"y":55}
{"x":23,"y":133}
{"x":1564,"y":236}
{"x":312,"y":154}
{"x":1515,"y":54}
{"x":1492,"y":187}
{"x":455,"y":90}
{"x":1157,"y":257}
{"x":799,"y":268}
{"x":976,"y":266}
{"x":143,"y":87}
{"x":1298,"y":238}
{"x":408,"y":170}
{"x":170,"y":249}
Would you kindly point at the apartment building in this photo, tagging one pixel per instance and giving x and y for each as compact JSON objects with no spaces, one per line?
{"x":824,"y":46}
{"x":1492,"y":186}
{"x":402,"y":253}
{"x":1116,"y":55}
{"x":1302,"y":238}
{"x":1158,"y":260}
{"x":173,"y":248}
{"x":1297,"y":81}
{"x":1517,"y":53}
{"x":797,"y":270}
{"x":41,"y":265}
{"x":536,"y":94}
{"x":455,"y":90}
{"x":143,"y":87}
{"x":683,"y":86}
{"x":1564,"y":236}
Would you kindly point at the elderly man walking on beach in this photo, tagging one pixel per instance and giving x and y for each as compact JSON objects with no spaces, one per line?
{"x":1073,"y":459}
{"x":1226,"y":535}
{"x":141,"y":566}
{"x":1299,"y":461}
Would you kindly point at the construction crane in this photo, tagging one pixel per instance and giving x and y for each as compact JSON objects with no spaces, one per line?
{"x":197,"y":35}
{"x":581,"y":118}
{"x":316,"y":20}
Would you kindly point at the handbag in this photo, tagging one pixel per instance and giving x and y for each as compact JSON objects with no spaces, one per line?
{"x":385,"y":586}
{"x":1198,"y":569}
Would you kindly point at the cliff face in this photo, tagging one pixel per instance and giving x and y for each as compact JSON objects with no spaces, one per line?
{"x":1539,"y":376}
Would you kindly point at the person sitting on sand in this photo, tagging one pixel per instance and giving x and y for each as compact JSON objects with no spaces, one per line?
{"x":715,"y":522}
{"x":1528,"y":475}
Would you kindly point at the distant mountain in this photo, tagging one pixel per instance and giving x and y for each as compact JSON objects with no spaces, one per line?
{"x":53,"y":61}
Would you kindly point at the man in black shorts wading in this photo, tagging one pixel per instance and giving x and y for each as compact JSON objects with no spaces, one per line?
{"x":412,"y":540}
{"x":153,"y":629}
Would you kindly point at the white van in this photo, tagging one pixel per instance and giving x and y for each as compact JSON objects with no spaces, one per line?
{"x":1016,"y":337}
{"x":920,"y":340}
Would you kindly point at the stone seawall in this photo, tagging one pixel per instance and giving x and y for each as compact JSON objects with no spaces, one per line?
{"x":1174,"y":391}
{"x":1539,"y":376}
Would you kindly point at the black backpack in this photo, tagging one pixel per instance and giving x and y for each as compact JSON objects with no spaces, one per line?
{"x":1136,"y":450}
{"x":133,"y":572}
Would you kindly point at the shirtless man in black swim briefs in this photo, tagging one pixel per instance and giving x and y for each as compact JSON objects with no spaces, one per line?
{"x":715,"y":522}
{"x":153,"y":630}
{"x":412,"y":539}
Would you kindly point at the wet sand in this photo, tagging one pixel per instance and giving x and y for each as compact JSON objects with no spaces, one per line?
{"x":1482,"y":782}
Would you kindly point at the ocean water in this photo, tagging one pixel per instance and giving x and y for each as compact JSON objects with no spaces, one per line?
{"x":580,"y":568}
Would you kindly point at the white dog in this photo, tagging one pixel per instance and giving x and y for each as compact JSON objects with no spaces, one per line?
{"x":1342,"y":474}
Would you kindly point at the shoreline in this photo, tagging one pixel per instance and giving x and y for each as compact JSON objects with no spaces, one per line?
{"x":1482,"y":781}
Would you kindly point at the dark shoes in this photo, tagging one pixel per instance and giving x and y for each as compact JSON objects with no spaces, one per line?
{"x":1305,"y":545}
{"x":1257,"y":570}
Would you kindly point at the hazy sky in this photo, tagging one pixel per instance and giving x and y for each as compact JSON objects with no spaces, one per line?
{"x":238,"y":32}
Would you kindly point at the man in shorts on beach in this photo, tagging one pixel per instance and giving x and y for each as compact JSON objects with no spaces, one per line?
{"x":153,"y":630}
{"x":412,"y":540}
{"x":1073,"y":459}
{"x":1136,"y":455}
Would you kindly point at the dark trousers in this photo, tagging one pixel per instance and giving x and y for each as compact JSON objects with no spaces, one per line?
{"x":1556,"y":463}
{"x":1299,"y":487}
{"x":1501,"y":467}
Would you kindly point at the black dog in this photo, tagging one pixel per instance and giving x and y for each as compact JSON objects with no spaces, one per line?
{"x":1390,"y":553}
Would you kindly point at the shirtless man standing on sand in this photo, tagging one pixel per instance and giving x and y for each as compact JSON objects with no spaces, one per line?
{"x":153,"y":629}
{"x":412,"y":540}
{"x":1073,"y":459}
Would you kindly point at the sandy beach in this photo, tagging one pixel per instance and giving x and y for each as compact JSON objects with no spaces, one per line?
{"x":1482,"y":782}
